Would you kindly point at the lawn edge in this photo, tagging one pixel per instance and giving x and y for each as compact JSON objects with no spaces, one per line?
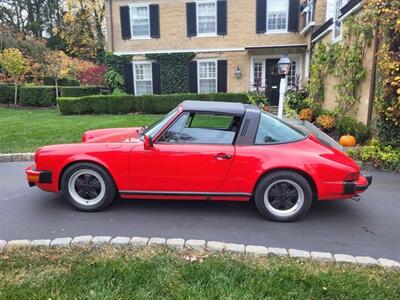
{"x":16,"y":157}
{"x":198,"y":246}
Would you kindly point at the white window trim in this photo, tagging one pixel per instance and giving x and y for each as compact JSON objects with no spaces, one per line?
{"x":198,"y":73}
{"x":337,"y":19}
{"x":142,"y":62}
{"x":298,"y":58}
{"x":311,"y":8}
{"x":141,"y":37}
{"x":278,"y":30}
{"x":208,"y":34}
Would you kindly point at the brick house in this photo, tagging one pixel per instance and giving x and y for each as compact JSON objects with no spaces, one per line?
{"x":237,"y":43}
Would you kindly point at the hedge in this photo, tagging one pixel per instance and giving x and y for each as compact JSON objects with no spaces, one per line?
{"x":80,"y":91}
{"x":122,"y":104}
{"x":6,"y":93}
{"x":37,"y":95}
{"x":61,"y":82}
{"x":46,"y":95}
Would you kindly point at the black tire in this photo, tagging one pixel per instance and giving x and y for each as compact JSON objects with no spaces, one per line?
{"x":288,"y":185}
{"x":90,"y":176}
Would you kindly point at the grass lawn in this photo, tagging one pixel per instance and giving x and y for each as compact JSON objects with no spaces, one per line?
{"x":24,"y":130}
{"x":112,"y":273}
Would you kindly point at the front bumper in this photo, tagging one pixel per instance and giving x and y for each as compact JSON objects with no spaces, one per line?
{"x":34,"y":176}
{"x":359,"y":186}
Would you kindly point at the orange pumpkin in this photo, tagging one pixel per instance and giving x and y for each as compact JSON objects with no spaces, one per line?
{"x":347,"y":140}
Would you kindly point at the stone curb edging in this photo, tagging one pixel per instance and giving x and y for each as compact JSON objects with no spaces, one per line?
{"x":197,"y":245}
{"x":15,"y":157}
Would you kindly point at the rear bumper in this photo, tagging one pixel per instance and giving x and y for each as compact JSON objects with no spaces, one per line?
{"x":34,"y":176}
{"x":359,"y":186}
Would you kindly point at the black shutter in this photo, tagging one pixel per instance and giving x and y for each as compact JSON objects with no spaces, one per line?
{"x":125,"y":22}
{"x":222,"y":80}
{"x":294,"y":8}
{"x":261,"y":16}
{"x":191,"y":21}
{"x":154,"y":20}
{"x":156,"y":71}
{"x":193,"y":76}
{"x":128,"y":78}
{"x":222,"y":17}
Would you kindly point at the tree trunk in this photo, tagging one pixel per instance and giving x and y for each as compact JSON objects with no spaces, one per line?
{"x":15,"y":92}
{"x":56,"y":80}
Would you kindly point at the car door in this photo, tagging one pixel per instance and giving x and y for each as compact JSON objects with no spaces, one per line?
{"x":193,"y":155}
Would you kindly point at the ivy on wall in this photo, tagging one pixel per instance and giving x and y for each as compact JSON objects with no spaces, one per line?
{"x":384,"y":15}
{"x":320,"y":66}
{"x":343,"y":60}
{"x":348,"y":68}
{"x":174,"y":71}
{"x":114,"y":75}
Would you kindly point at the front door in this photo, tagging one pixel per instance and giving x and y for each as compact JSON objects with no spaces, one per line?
{"x":273,"y":80}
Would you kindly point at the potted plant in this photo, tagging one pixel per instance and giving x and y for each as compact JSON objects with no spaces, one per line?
{"x":258,"y":96}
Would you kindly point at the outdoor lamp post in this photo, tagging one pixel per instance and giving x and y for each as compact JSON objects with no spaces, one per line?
{"x":284,"y":64}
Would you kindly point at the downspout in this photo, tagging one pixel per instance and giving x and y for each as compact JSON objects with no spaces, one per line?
{"x":112,"y":27}
{"x":372,"y":89}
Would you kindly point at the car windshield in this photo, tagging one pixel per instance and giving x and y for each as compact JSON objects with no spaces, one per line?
{"x":152,"y":130}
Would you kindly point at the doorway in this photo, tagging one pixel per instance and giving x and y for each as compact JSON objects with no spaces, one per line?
{"x":272,"y":81}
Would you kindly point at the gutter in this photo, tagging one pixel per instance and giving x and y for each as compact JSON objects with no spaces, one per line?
{"x":372,"y":88}
{"x":111,"y":26}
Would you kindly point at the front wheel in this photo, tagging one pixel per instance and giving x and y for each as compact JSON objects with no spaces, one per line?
{"x":283,"y":196}
{"x":87,"y":187}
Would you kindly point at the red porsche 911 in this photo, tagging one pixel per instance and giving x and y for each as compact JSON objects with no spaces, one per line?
{"x":203,"y":151}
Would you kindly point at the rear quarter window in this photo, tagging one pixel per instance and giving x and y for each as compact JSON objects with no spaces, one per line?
{"x":272,"y":130}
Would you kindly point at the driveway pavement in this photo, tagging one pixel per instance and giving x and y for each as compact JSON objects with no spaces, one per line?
{"x":370,"y":227}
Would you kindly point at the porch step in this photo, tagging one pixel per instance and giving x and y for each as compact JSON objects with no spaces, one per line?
{"x":273,"y":110}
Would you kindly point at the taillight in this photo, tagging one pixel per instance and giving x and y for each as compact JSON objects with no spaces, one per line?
{"x":352,"y":176}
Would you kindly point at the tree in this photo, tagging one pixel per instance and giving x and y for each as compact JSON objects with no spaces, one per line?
{"x":31,"y":17}
{"x":15,"y":65}
{"x":82,"y":28}
{"x":56,"y":66}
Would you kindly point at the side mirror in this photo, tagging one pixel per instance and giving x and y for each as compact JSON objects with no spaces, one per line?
{"x":147,"y":142}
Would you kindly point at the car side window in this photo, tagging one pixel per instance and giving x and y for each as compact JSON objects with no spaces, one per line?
{"x":210,"y":129}
{"x":272,"y":131}
{"x":171,"y":135}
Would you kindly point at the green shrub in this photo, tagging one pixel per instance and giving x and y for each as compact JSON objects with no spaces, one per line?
{"x":349,"y":125}
{"x":296,"y":100}
{"x":80,"y":91}
{"x":122,"y":104}
{"x":6,"y":93}
{"x":61,"y":82}
{"x":389,"y":133}
{"x":37,"y":95}
{"x":381,"y":156}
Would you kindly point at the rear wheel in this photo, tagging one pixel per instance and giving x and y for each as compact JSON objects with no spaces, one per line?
{"x":283,"y":196}
{"x":87,"y":187}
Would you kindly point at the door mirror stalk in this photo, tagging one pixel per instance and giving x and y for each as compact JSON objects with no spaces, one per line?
{"x":147,"y":142}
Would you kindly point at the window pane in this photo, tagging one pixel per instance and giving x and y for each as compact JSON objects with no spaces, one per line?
{"x":206,"y":136}
{"x":277,"y":14}
{"x":211,"y":121}
{"x":207,"y":86}
{"x":207,"y":77}
{"x":258,"y":74}
{"x":172,"y":134}
{"x":143,"y":79}
{"x":143,"y":71}
{"x":206,"y":16}
{"x":271,"y":130}
{"x":143,"y":88}
{"x":140,"y":21}
{"x":292,"y":74}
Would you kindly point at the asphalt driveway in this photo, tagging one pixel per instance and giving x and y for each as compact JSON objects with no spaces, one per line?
{"x":370,"y":227}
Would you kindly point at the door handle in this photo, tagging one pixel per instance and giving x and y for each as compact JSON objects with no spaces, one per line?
{"x":221,"y":156}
